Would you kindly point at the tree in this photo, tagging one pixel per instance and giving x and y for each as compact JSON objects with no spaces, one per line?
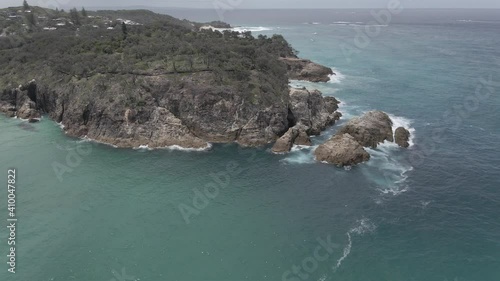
{"x":124,"y":30}
{"x":75,"y":17}
{"x":30,"y":18}
{"x":26,"y":6}
{"x":84,"y":13}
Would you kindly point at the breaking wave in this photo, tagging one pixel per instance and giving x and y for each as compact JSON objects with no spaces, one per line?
{"x":389,"y":172}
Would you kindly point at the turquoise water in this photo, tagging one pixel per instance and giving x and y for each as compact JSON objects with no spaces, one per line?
{"x":430,"y":213}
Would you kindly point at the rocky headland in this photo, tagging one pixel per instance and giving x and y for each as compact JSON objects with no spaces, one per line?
{"x":129,"y":86}
{"x":303,"y":69}
{"x":124,"y":86}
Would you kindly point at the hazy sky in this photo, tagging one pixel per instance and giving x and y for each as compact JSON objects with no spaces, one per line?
{"x":245,"y":4}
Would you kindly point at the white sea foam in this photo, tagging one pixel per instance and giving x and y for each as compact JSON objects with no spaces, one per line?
{"x":295,"y":148}
{"x":364,"y":226}
{"x":425,"y":204}
{"x":347,"y":23}
{"x":252,"y":29}
{"x":323,"y":277}
{"x":146,"y":147}
{"x":301,"y":155}
{"x":389,"y":173}
{"x":337,"y":77}
{"x":180,"y":148}
{"x":242,"y":29}
{"x":87,"y":139}
{"x":347,"y":251}
{"x":143,"y":147}
{"x":60,"y":124}
{"x":479,"y":21}
{"x":398,"y":121}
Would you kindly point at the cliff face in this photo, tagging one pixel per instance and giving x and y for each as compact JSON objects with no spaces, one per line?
{"x":160,"y":83}
{"x":159,"y":113}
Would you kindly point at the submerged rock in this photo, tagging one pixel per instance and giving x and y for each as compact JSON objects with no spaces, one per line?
{"x":342,"y":150}
{"x":402,"y":137}
{"x":371,"y":129}
{"x":27,"y":127}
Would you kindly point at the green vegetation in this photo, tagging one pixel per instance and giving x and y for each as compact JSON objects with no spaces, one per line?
{"x":71,"y":47}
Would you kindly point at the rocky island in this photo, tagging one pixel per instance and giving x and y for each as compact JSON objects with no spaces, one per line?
{"x":136,"y":78}
{"x":346,"y":147}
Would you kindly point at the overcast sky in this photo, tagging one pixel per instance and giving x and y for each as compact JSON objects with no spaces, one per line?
{"x":252,"y":4}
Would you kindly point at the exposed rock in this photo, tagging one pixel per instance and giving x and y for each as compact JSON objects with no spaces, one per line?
{"x":402,"y":136}
{"x":331,"y":104}
{"x":21,"y":102}
{"x":156,"y":113}
{"x":285,"y":143}
{"x":28,"y":110}
{"x":371,"y":129}
{"x":303,"y":139}
{"x":147,"y":100}
{"x":311,"y":110}
{"x":295,"y":135}
{"x":342,"y":150}
{"x":155,"y":127}
{"x":8,"y":101}
{"x":166,"y":115}
{"x":337,"y":115}
{"x":8,"y":109}
{"x":302,"y":69}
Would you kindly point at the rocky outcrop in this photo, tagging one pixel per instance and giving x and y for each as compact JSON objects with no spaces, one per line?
{"x":28,"y":111}
{"x":311,"y":110}
{"x":7,"y":109}
{"x":21,"y":102}
{"x":160,"y":114}
{"x":302,"y":69}
{"x":295,"y":135}
{"x":342,"y":150}
{"x":402,"y":137}
{"x":115,"y":96}
{"x":331,"y":104}
{"x":371,"y":129}
{"x":368,"y":130}
{"x":303,"y":139}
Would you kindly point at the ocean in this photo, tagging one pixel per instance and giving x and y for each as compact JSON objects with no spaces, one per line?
{"x":91,"y":212}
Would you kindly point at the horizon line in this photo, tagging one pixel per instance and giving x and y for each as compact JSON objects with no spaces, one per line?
{"x":194,"y":8}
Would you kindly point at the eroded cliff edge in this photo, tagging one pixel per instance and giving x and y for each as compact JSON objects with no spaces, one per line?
{"x":160,"y":82}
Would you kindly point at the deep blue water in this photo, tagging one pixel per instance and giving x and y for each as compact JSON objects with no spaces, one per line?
{"x":430,"y":213}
